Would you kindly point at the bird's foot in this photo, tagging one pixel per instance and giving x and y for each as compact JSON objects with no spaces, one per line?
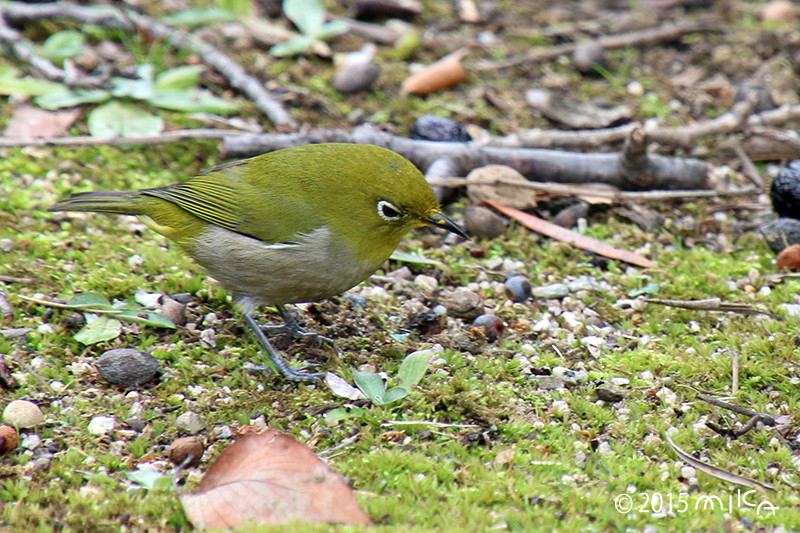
{"x":296,"y":332}
{"x":281,"y":366}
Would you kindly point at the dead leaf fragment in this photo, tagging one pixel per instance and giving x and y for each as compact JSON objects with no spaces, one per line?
{"x":269,"y":478}
{"x":439,"y":75}
{"x":497,"y":184}
{"x":30,"y":122}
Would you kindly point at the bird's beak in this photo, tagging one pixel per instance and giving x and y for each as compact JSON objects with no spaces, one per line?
{"x":441,"y":221}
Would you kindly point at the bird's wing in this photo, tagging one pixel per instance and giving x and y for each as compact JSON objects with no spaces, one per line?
{"x":222,"y":199}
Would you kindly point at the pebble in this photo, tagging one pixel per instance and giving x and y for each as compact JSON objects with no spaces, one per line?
{"x":482,"y":222}
{"x":127,"y":367}
{"x":605,"y":449}
{"x":608,"y":392}
{"x":571,"y":377}
{"x":426,"y":283}
{"x":559,"y":408}
{"x":584,"y":283}
{"x":555,"y":290}
{"x":23,"y":414}
{"x":9,"y":439}
{"x":31,"y":442}
{"x":549,"y":382}
{"x":136,"y":422}
{"x":190,"y":422}
{"x":357,"y":72}
{"x":463,"y":303}
{"x":100,"y":425}
{"x":208,"y":338}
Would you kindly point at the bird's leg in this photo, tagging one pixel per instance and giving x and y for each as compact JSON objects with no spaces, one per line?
{"x":292,"y":328}
{"x":281,"y":366}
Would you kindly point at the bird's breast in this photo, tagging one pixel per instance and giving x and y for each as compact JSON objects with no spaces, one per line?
{"x":314,"y":266}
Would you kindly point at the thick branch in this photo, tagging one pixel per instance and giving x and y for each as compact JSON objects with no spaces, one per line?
{"x":536,"y":164}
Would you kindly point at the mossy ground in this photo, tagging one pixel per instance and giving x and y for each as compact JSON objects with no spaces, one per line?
{"x":476,"y":446}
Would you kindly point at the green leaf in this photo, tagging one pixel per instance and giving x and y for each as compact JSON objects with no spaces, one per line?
{"x":413,"y":367}
{"x":118,"y":119}
{"x":192,"y":101}
{"x":195,"y":18}
{"x":70,"y":98}
{"x":307,"y":15}
{"x":148,"y":318}
{"x":394,"y":394}
{"x":650,"y":288}
{"x":100,"y":329}
{"x":62,"y":45}
{"x":370,"y":384}
{"x":331,"y":29}
{"x":89,"y":300}
{"x":179,"y":78}
{"x":27,"y":86}
{"x":150,"y":480}
{"x":407,"y":257}
{"x":342,"y":413}
{"x":297,"y":45}
{"x":237,"y":7}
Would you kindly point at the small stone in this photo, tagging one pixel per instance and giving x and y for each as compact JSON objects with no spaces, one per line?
{"x":511,"y":194}
{"x":792,"y":310}
{"x":754,"y":92}
{"x":549,"y":382}
{"x":23,"y":414}
{"x":174,"y":310}
{"x":438,"y":129}
{"x":426,"y":283}
{"x":463,"y":303}
{"x":588,"y":55}
{"x":483,"y":222}
{"x":6,"y":245}
{"x":608,"y":392}
{"x":505,"y":457}
{"x":687,"y":471}
{"x":555,"y":290}
{"x":559,"y":408}
{"x":783,"y":231}
{"x":584,"y":283}
{"x":635,"y":88}
{"x":190,"y":422}
{"x":208,"y":338}
{"x":127,"y":367}
{"x":605,"y":449}
{"x":136,"y":423}
{"x":569,"y":216}
{"x":100,"y":425}
{"x":30,"y":442}
{"x":182,"y":448}
{"x":572,"y":378}
{"x":357,"y":72}
{"x":40,"y":464}
{"x":779,"y":11}
{"x":667,"y":396}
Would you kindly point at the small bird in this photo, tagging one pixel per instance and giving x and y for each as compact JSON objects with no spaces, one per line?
{"x":295,"y":225}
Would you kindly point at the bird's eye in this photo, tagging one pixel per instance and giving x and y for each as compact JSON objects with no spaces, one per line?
{"x":388,"y":211}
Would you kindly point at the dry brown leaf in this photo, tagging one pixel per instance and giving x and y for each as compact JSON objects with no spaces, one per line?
{"x":444,"y":73}
{"x":503,"y":190}
{"x":30,"y":122}
{"x":269,"y":478}
{"x":576,"y":239}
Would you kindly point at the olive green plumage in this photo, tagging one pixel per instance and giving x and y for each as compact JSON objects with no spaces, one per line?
{"x":294,"y":225}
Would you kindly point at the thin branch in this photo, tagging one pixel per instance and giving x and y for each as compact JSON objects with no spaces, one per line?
{"x":635,"y":39}
{"x":768,"y":420}
{"x":111,"y":17}
{"x":161,"y":138}
{"x":24,"y":51}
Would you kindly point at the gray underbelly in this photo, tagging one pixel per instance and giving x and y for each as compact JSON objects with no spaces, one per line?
{"x":314,"y":268}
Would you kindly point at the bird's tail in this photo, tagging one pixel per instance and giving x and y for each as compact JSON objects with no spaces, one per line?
{"x":119,"y":202}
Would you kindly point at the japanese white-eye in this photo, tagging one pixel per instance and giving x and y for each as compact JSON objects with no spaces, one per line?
{"x":295,"y":225}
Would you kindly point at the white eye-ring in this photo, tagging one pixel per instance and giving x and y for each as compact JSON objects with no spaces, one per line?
{"x":388,"y":211}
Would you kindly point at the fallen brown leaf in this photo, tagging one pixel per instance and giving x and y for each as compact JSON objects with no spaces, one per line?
{"x":30,"y":122}
{"x":444,"y":73}
{"x":269,"y":478}
{"x":566,"y":235}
